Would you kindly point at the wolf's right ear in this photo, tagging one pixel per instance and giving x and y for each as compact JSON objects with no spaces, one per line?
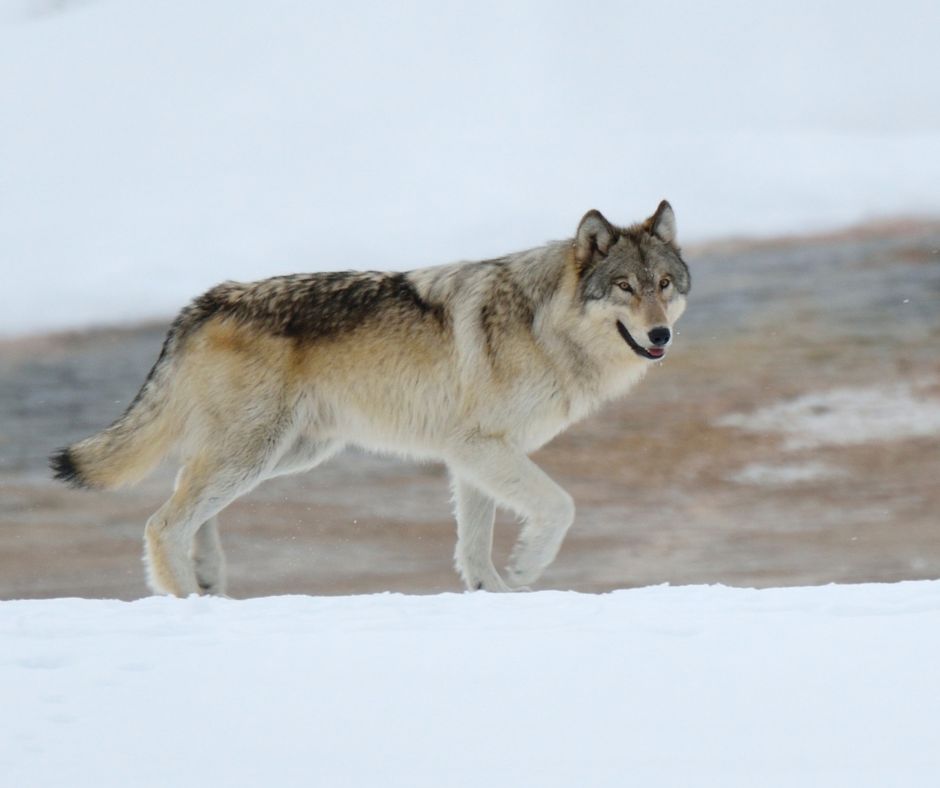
{"x":595,"y":233}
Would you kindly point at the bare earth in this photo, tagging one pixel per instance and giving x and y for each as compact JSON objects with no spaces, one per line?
{"x":665,"y":493}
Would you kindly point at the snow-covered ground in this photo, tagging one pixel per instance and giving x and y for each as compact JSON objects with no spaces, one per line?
{"x":663,"y":686}
{"x":844,"y":417}
{"x":149,"y":150}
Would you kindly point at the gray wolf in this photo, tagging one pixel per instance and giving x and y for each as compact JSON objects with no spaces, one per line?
{"x":475,"y":364}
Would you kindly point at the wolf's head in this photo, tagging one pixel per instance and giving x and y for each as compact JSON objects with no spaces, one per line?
{"x":633,"y":281}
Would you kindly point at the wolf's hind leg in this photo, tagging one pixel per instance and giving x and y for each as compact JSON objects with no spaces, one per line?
{"x":473,"y":556}
{"x":208,"y":558}
{"x":204,"y":488}
{"x":509,"y":476}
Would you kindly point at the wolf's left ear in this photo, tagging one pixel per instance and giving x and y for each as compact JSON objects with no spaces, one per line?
{"x":594,"y":233}
{"x":662,"y":224}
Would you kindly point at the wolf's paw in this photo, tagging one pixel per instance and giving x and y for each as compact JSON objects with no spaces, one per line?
{"x":525,"y":565}
{"x":520,"y":579}
{"x":213,"y":590}
{"x":492,"y":583}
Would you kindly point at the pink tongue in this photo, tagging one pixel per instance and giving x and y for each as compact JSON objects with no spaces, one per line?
{"x":656,"y":351}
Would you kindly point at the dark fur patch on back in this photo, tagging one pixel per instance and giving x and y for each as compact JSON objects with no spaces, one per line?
{"x":65,"y":470}
{"x":315,"y":306}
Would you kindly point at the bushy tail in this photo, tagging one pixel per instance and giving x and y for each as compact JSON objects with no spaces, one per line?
{"x":130,"y":448}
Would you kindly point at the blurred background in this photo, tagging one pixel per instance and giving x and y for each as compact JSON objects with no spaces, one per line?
{"x":149,"y":150}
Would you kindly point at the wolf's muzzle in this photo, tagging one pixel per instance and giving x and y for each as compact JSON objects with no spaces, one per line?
{"x":654,"y":354}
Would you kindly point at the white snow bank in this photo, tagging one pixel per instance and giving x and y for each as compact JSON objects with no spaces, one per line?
{"x":703,"y":686}
{"x":149,"y":150}
{"x":845,"y":417}
{"x":785,"y":475}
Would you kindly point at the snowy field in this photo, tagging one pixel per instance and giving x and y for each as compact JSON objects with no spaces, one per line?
{"x":696,"y":686}
{"x":149,"y":150}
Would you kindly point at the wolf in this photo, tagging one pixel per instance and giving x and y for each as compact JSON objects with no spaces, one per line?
{"x":474,"y":364}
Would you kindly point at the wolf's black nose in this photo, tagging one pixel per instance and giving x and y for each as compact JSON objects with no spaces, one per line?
{"x":659,"y":336}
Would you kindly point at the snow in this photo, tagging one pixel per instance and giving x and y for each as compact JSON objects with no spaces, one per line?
{"x":846,"y":416}
{"x":149,"y":150}
{"x":784,"y":475}
{"x":660,"y":686}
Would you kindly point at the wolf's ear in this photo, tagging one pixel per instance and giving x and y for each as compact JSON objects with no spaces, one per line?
{"x":662,"y":224}
{"x":595,"y":233}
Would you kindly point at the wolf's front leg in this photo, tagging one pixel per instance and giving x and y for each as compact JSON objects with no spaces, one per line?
{"x":474,"y":554}
{"x":510,"y":477}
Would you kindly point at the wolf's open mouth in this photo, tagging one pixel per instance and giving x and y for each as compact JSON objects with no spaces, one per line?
{"x":654,"y":353}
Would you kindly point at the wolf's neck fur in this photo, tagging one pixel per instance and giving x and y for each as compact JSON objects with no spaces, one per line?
{"x":590,"y":366}
{"x":522,"y":315}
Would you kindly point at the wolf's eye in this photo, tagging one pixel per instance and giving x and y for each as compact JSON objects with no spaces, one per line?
{"x":664,"y":283}
{"x":625,"y":286}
